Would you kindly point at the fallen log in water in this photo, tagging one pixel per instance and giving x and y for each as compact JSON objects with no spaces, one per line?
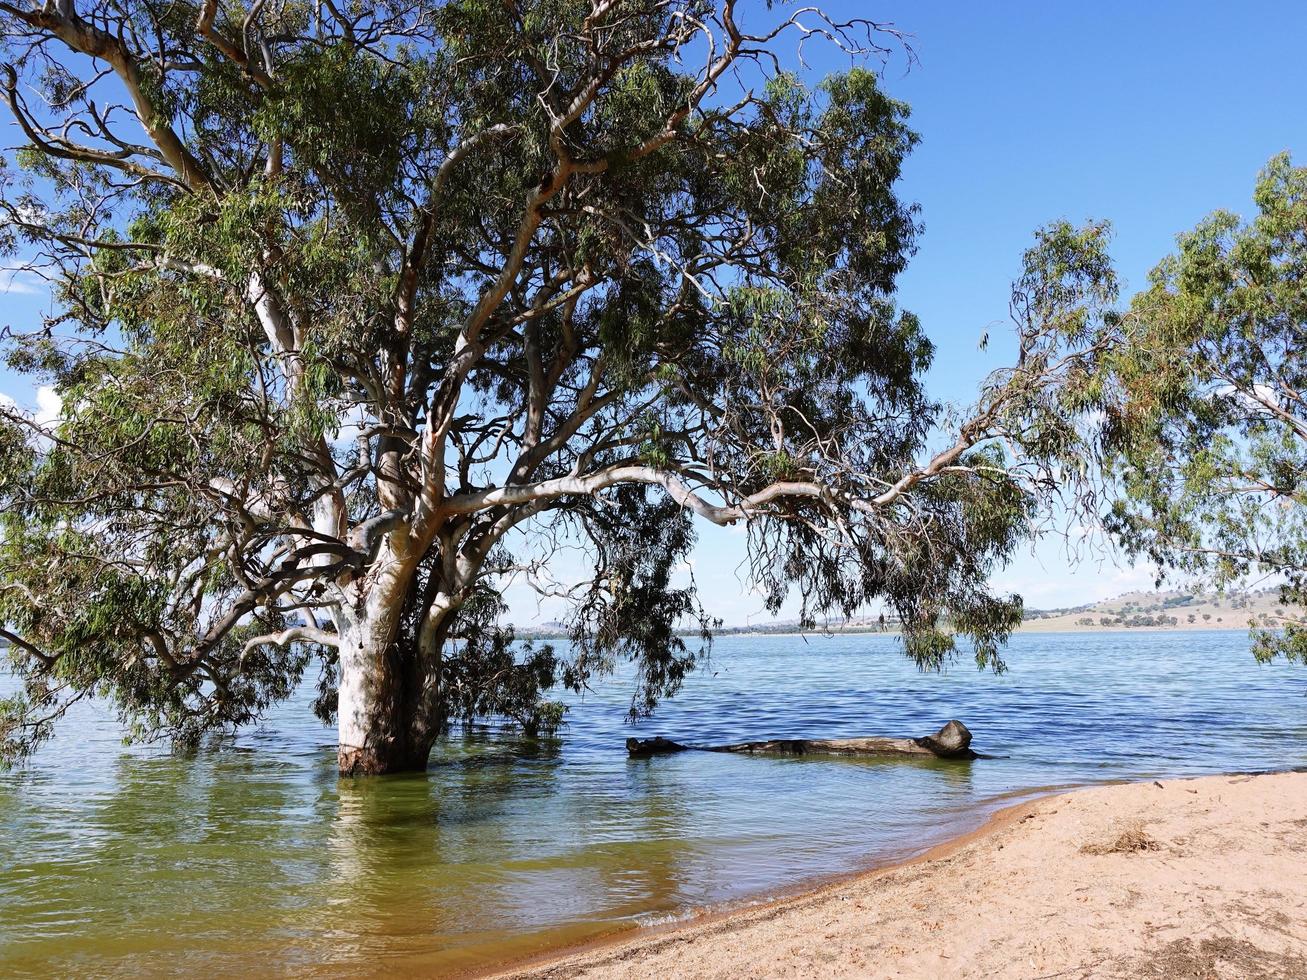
{"x":953,"y":741}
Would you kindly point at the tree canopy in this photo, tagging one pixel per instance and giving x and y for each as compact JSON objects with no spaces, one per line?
{"x":1204,"y":394}
{"x":361,"y":311}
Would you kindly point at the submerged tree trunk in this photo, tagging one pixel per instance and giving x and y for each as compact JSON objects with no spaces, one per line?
{"x":393,"y":628}
{"x":953,"y":741}
{"x":383,"y":709}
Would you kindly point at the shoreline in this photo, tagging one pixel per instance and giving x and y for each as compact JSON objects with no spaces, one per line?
{"x":776,"y":901}
{"x":712,"y":937}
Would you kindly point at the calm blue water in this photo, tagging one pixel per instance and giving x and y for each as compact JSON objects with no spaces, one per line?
{"x":255,"y":859}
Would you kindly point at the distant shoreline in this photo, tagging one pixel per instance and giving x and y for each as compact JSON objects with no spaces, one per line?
{"x":1030,"y":626}
{"x":1131,"y":612}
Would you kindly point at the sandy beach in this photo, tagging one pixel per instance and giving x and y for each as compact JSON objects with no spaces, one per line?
{"x":1184,"y":878}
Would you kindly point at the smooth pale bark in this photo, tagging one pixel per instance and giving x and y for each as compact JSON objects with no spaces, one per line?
{"x":388,"y":708}
{"x":382,"y":717}
{"x":953,"y":741}
{"x":384,"y":710}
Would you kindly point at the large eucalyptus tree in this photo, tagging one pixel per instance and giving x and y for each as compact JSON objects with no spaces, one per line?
{"x":360,"y":310}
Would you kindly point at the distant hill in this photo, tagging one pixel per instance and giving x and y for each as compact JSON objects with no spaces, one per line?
{"x":1174,"y":610}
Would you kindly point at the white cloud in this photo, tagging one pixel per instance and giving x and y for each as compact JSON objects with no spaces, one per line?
{"x":49,"y":406}
{"x":351,"y":424}
{"x":1260,"y":397}
{"x":45,"y":416}
{"x":32,"y":213}
{"x":16,"y":282}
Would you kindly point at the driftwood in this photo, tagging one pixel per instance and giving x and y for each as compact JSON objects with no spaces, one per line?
{"x":953,"y":741}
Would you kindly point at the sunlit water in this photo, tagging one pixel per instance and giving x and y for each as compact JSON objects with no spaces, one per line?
{"x":256,"y":859}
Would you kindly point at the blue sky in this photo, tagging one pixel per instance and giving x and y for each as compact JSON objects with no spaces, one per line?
{"x":1150,"y":115}
{"x":1147,"y":114}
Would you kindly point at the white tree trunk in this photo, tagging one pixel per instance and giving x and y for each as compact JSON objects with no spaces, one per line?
{"x":379,"y":722}
{"x":353,"y":710}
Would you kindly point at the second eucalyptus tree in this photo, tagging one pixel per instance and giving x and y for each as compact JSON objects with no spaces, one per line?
{"x":1204,"y":397}
{"x":361,"y":311}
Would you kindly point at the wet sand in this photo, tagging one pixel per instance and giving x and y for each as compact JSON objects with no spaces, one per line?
{"x":1187,"y":878}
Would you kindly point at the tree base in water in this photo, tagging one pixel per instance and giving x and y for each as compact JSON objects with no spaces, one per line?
{"x":381,"y":761}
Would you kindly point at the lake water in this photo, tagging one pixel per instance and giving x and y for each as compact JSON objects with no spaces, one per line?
{"x":256,"y":859}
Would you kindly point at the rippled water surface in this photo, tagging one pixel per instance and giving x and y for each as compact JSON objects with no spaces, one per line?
{"x":256,"y":860}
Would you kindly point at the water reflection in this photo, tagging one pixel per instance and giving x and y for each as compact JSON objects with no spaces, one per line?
{"x":121,"y":861}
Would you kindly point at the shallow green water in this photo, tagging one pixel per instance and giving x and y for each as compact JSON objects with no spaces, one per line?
{"x":256,"y":860}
